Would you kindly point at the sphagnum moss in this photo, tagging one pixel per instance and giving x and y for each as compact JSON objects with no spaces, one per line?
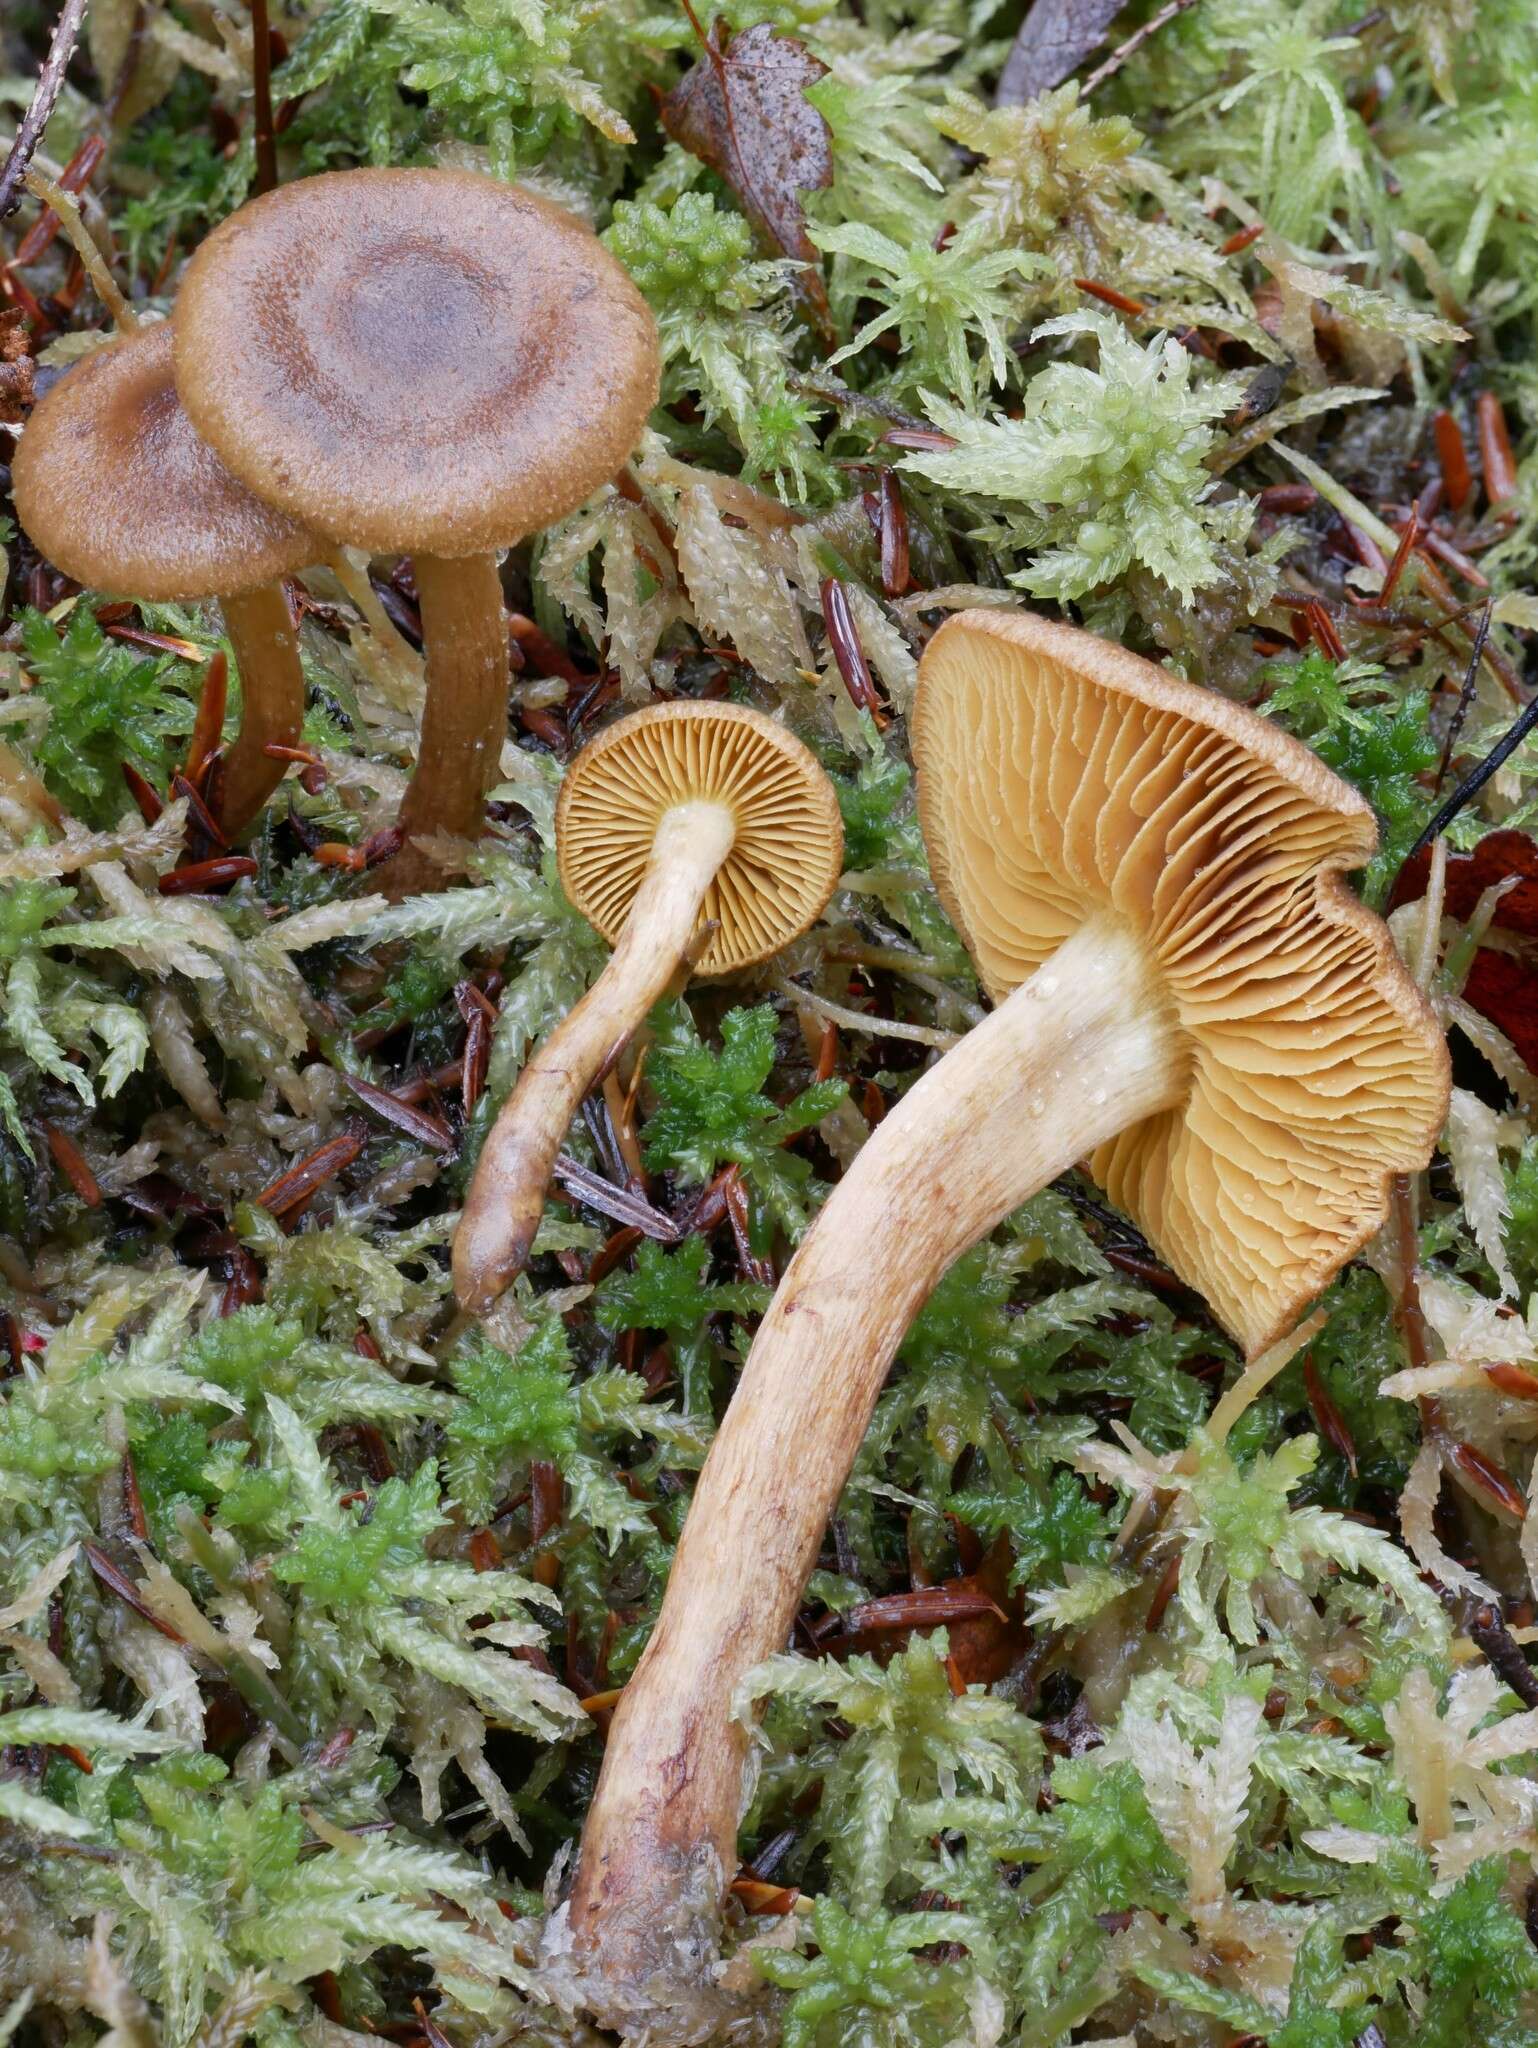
{"x":1130,"y":1698}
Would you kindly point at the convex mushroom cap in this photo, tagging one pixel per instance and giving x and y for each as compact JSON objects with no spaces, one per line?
{"x":114,"y":486}
{"x":1060,"y":778}
{"x":427,"y":361}
{"x":787,"y":842}
{"x":691,"y":834}
{"x":414,"y":360}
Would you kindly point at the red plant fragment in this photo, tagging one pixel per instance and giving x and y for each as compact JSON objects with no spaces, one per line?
{"x":758,"y":1898}
{"x":1109,"y":296}
{"x":76,"y":175}
{"x":200,"y":819}
{"x":986,"y":1645}
{"x":159,"y":643}
{"x":749,"y":1263}
{"x":1495,"y":450}
{"x":925,"y":1607}
{"x":416,"y":1123}
{"x":204,"y":875}
{"x":1322,"y":628}
{"x":143,"y":793}
{"x":208,"y":726}
{"x":133,"y":1501}
{"x":893,"y":529}
{"x":301,"y":1180}
{"x":1164,"y":1592}
{"x":1452,"y":457}
{"x":1409,"y":535}
{"x":1243,"y":239}
{"x":1514,"y":1380}
{"x":1484,"y":1473}
{"x":844,"y":640}
{"x":1332,"y":1424}
{"x":119,"y":1583}
{"x":73,"y":1164}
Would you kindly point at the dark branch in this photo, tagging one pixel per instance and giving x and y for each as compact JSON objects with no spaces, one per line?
{"x":50,"y":83}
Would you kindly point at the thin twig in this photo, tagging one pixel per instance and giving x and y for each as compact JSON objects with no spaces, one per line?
{"x":50,"y":83}
{"x":1465,"y":695}
{"x":1132,"y":45}
{"x":261,"y":85}
{"x":1474,"y":782}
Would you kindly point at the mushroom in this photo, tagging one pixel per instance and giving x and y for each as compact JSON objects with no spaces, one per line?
{"x":691,"y":834}
{"x":426,"y":362}
{"x":116,"y":489}
{"x":1188,"y":996}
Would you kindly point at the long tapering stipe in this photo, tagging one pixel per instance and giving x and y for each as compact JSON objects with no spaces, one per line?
{"x":1084,"y":1048}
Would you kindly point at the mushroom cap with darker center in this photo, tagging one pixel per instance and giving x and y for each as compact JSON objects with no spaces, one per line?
{"x":115,"y":488}
{"x":1062,"y":778}
{"x":417,"y":360}
{"x":789,"y":841}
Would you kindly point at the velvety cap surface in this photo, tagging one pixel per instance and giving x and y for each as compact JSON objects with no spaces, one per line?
{"x":115,"y":488}
{"x":790,"y":838}
{"x":414,"y":359}
{"x":1061,"y":777}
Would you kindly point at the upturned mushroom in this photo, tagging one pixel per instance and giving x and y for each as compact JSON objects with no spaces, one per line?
{"x":692,"y":834}
{"x":422,"y":362}
{"x":115,"y":488}
{"x":1189,"y":998}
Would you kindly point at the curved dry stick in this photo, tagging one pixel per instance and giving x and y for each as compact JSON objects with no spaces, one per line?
{"x":464,"y":719}
{"x":507,"y":1195}
{"x":1086,"y":1047}
{"x":271,"y":700}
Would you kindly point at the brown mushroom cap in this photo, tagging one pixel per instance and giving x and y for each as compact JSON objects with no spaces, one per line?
{"x":114,"y":487}
{"x":789,"y":846}
{"x":1060,"y":778}
{"x":414,"y":359}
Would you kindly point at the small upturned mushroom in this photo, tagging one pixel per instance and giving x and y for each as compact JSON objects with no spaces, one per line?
{"x":1190,"y":999}
{"x":115,"y":488}
{"x":693,"y":835}
{"x":422,"y":362}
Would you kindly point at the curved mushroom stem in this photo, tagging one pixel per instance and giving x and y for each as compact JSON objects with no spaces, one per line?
{"x":1087,"y":1046}
{"x":464,"y":720}
{"x":271,"y":699}
{"x":507,"y":1194}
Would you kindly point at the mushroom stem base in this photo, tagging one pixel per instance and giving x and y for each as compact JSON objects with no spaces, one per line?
{"x":271,"y":699}
{"x":464,"y":718}
{"x":507,"y":1194}
{"x":1086,"y":1047}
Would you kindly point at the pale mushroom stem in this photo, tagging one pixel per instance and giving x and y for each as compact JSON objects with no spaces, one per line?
{"x":271,"y":700}
{"x":507,"y":1195}
{"x":1086,"y":1047}
{"x":464,"y":718}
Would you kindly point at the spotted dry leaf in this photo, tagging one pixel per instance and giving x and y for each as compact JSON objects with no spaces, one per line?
{"x":743,"y":110}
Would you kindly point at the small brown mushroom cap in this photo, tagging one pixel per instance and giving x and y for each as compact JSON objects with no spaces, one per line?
{"x":414,"y":359}
{"x":1061,"y":777}
{"x":114,"y":487}
{"x":789,"y":845}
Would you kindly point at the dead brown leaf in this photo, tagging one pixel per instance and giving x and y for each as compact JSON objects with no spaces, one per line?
{"x":743,"y":110}
{"x":1053,"y":41}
